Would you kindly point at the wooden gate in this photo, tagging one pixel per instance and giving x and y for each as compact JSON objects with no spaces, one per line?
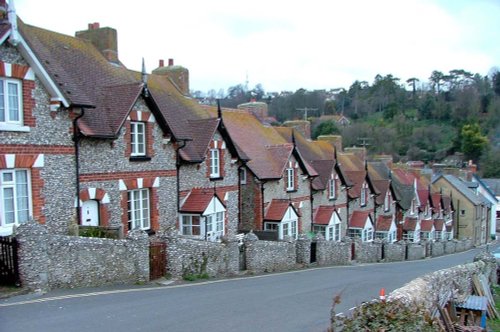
{"x":157,"y":260}
{"x":313,"y":251}
{"x":9,"y":271}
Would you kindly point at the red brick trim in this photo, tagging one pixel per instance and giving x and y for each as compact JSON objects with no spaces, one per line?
{"x":125,"y":175}
{"x":38,"y":149}
{"x":28,"y":101}
{"x":38,"y":201}
{"x":18,"y":71}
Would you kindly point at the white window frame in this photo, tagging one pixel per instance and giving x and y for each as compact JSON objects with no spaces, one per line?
{"x":243,"y":176}
{"x":363,"y":195}
{"x":137,"y":138}
{"x":139,"y":209}
{"x":6,"y":101}
{"x":14,"y":187}
{"x":387,"y":206}
{"x":271,"y":226}
{"x":290,"y":179}
{"x":214,"y":163}
{"x":354,"y":232}
{"x":214,"y":226}
{"x":288,"y":228}
{"x":367,"y":235}
{"x":320,"y":229}
{"x":187,"y":226}
{"x":332,"y":188}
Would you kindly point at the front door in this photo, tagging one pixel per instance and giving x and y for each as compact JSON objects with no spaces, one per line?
{"x":90,"y":213}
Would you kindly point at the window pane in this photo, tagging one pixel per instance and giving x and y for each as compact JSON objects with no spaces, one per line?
{"x":13,"y":101}
{"x":8,"y":202}
{"x":2,"y":101}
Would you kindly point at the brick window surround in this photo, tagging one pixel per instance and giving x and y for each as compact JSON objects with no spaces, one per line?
{"x":148,"y":120}
{"x":219,"y":145}
{"x":102,"y":198}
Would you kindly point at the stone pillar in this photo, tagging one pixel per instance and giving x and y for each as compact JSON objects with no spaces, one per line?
{"x":250,"y":241}
{"x":233,"y":254}
{"x":34,"y":262}
{"x":320,"y":249}
{"x":138,"y":246}
{"x":303,"y":248}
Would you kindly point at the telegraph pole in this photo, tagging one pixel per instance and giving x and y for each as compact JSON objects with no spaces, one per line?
{"x":364,"y":141}
{"x":305,"y":110}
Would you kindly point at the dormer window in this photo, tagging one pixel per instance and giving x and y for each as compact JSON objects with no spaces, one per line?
{"x":214,"y":163}
{"x":138,"y":139}
{"x":10,"y":102}
{"x":290,"y":179}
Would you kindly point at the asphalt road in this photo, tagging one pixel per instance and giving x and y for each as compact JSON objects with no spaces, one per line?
{"x":292,"y":301}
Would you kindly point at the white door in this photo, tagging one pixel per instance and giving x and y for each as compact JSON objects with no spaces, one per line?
{"x":90,"y":213}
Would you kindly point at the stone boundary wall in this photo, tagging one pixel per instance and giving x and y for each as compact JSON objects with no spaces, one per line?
{"x":269,"y":256}
{"x":394,"y":252}
{"x":332,"y":253}
{"x":415,"y":251}
{"x":186,"y":256}
{"x":368,"y":252}
{"x":434,"y":287}
{"x":48,"y":261}
{"x":437,"y":248}
{"x":450,"y":247}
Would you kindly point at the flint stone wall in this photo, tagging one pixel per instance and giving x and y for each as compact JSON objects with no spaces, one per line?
{"x":394,"y":252}
{"x":434,"y":287}
{"x":450,"y":247}
{"x":187,"y":256}
{"x":437,"y":248}
{"x":368,"y":252}
{"x":415,"y":251}
{"x":333,"y":253}
{"x":303,"y":250}
{"x":269,"y":256}
{"x":48,"y":261}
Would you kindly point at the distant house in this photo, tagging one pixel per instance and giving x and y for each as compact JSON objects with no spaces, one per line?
{"x":339,"y":119}
{"x":485,"y":190}
{"x":472,"y":211}
{"x":494,"y":187}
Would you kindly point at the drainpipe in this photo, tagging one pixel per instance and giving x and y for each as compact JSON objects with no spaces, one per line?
{"x":240,"y":167}
{"x":76,"y":139}
{"x":178,"y":167}
{"x":262,"y":200}
{"x":311,"y":199}
{"x":458,"y":219}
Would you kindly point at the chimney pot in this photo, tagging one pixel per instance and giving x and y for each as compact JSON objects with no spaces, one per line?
{"x":162,"y":63}
{"x":91,"y":25}
{"x":170,"y":62}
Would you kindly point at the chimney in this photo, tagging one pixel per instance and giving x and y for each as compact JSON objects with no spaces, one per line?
{"x":104,"y":39}
{"x":335,"y":140}
{"x":178,"y":75}
{"x":3,"y":10}
{"x":302,"y":126}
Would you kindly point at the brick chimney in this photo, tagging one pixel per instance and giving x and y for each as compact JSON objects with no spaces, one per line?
{"x":302,"y":126}
{"x":104,"y":39}
{"x":335,"y":140}
{"x":178,"y":75}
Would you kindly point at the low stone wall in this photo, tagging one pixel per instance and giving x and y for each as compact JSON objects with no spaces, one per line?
{"x":48,"y":261}
{"x":186,"y":256}
{"x":434,"y":287}
{"x":368,"y":252}
{"x":394,"y":252}
{"x":437,"y":248}
{"x":450,"y":247}
{"x":269,"y":256}
{"x":332,"y":253}
{"x":415,"y":251}
{"x":303,"y":249}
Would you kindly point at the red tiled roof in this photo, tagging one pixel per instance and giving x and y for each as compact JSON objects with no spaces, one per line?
{"x":383,"y":223}
{"x":4,"y":29}
{"x":438,"y":224}
{"x":423,"y":197}
{"x":426,"y":225}
{"x":276,"y":210}
{"x":382,"y":186}
{"x":323,"y":214}
{"x":357,"y":179}
{"x":198,"y":199}
{"x":402,"y":176}
{"x":410,"y":224}
{"x":201,"y":132}
{"x":449,"y":228}
{"x":358,"y":219}
{"x":324,"y":169}
{"x":436,"y":201}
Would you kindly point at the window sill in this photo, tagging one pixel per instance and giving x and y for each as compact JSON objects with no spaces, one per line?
{"x":139,"y":158}
{"x":13,"y":127}
{"x":332,"y":198}
{"x":218,"y":178}
{"x":291,"y":190}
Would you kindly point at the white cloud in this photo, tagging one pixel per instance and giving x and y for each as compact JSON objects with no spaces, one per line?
{"x":289,"y":45}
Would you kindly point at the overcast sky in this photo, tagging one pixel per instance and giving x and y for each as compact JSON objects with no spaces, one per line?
{"x":287,"y":45}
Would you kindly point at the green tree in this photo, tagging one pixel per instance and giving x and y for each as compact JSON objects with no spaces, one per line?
{"x":472,"y":141}
{"x":326,"y":128}
{"x":496,"y":83}
{"x":489,"y":163}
